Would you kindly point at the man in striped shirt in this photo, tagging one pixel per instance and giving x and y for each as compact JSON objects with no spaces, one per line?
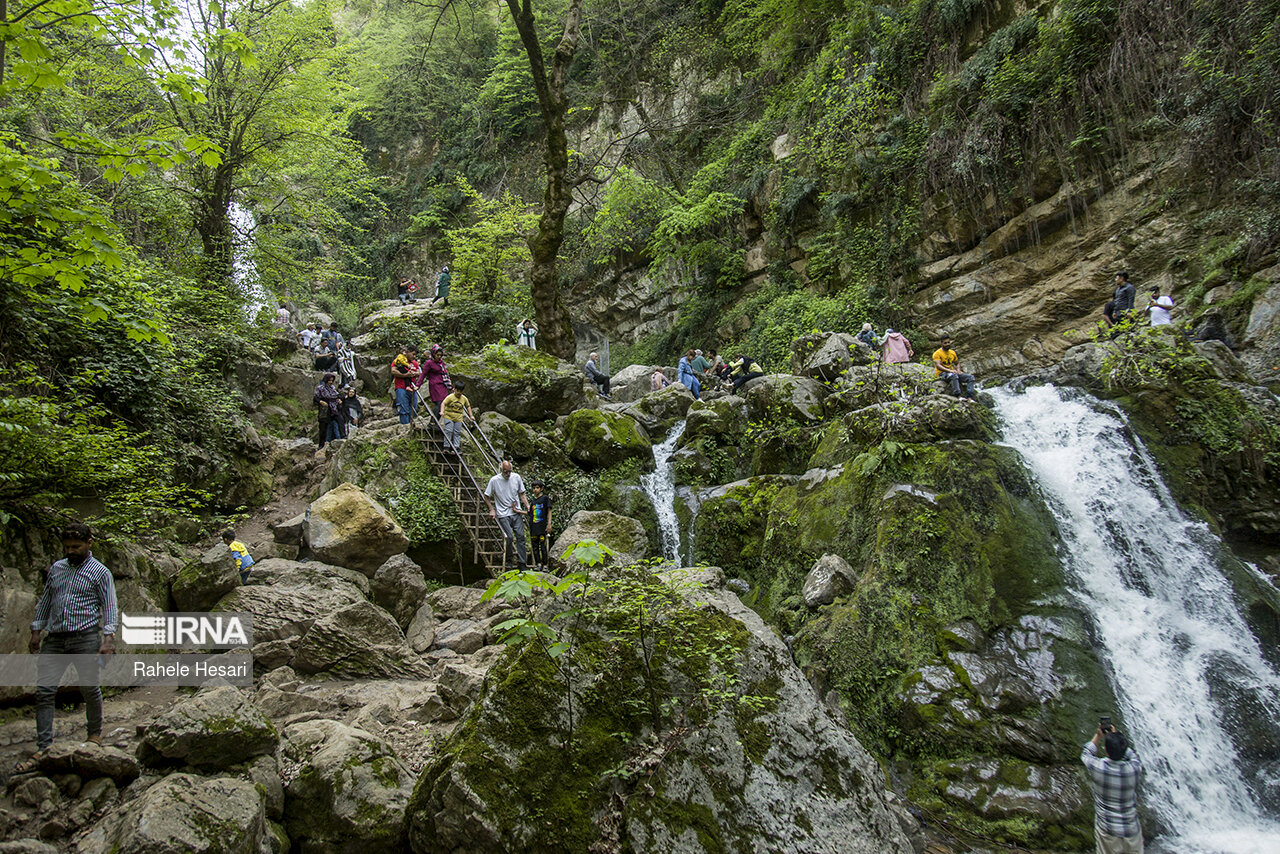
{"x":1115,"y":792}
{"x":79,"y":598}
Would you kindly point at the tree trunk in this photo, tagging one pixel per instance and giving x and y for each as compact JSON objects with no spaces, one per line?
{"x":213,"y":223}
{"x":555,"y":330}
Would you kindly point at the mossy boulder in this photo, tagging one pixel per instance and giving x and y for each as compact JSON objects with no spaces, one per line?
{"x":625,"y":536}
{"x":523,"y":442}
{"x":349,"y":793}
{"x":924,"y":420}
{"x":216,"y":728}
{"x":659,"y":410}
{"x":707,"y":461}
{"x":201,"y":583}
{"x":828,"y":356}
{"x":598,"y":439}
{"x":630,"y":499}
{"x":880,"y":383}
{"x":521,"y":383}
{"x":723,"y":416}
{"x":729,"y":528}
{"x":782,"y":396}
{"x":184,"y":812}
{"x":348,"y":528}
{"x":535,"y":745}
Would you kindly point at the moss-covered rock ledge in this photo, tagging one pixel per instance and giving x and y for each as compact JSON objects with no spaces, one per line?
{"x":705,"y":737}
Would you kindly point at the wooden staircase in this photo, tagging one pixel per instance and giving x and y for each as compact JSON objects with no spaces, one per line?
{"x":466,"y":474}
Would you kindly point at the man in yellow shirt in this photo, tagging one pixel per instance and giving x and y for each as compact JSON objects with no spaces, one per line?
{"x":947,"y":364}
{"x":453,"y":409}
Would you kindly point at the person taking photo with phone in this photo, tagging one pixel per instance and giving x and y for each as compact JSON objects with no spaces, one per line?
{"x":1114,"y":779}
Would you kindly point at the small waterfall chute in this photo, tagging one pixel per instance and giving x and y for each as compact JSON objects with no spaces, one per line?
{"x":1165,"y":615}
{"x":244,"y":272}
{"x":660,"y":486}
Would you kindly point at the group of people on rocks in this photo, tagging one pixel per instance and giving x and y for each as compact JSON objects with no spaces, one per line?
{"x":407,"y":289}
{"x":1123,"y":298}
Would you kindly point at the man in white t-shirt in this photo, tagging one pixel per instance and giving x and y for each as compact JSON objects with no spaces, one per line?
{"x":506,"y":497}
{"x":1161,"y":309}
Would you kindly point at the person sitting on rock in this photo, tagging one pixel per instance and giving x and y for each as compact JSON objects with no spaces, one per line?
{"x":947,"y":367}
{"x":684,"y":372}
{"x":240,"y":552}
{"x":403,"y":293}
{"x":597,"y":376}
{"x":743,"y":370}
{"x":658,"y":380}
{"x":404,"y":374}
{"x":1160,"y":309}
{"x":699,"y":364}
{"x":896,"y":349}
{"x":867,"y":336}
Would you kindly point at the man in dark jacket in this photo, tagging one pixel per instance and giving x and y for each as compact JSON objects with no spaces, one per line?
{"x":1122,"y":301}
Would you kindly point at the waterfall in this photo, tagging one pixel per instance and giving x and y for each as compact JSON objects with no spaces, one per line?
{"x":244,"y":273}
{"x":1187,"y":671}
{"x":660,"y":486}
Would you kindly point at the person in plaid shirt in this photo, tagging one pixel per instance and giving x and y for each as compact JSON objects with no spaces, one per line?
{"x":1114,"y":778}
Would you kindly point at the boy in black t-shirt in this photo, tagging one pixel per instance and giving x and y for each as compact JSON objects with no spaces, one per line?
{"x":540,"y":525}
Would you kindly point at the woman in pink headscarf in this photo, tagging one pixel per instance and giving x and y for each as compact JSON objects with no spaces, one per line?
{"x":436,"y":376}
{"x":896,"y":348}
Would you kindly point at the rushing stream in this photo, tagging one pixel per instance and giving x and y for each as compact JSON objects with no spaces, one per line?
{"x":660,"y":486}
{"x":1192,"y":682}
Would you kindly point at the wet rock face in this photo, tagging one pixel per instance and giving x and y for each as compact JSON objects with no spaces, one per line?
{"x":216,"y":728}
{"x":348,"y":528}
{"x":778,"y":768}
{"x":185,"y":813}
{"x":658,"y":410}
{"x":345,"y":789}
{"x":926,"y":419}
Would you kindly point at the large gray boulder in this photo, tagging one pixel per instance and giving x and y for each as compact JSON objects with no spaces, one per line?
{"x":201,"y":583}
{"x":777,"y":769}
{"x":348,"y":528}
{"x":296,"y":595}
{"x":632,"y":382}
{"x":216,"y":728}
{"x":88,"y":761}
{"x":360,"y":640}
{"x":783,"y":396}
{"x":827,"y":356}
{"x":399,"y":587}
{"x":724,"y":416}
{"x":624,"y":535}
{"x":599,"y":439}
{"x":345,"y":790}
{"x":185,"y":814}
{"x":830,"y":578}
{"x":523,"y":384}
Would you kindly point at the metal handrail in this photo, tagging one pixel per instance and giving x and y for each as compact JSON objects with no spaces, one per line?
{"x":465,"y":470}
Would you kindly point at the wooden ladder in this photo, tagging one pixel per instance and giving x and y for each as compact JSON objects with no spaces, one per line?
{"x":488,"y":543}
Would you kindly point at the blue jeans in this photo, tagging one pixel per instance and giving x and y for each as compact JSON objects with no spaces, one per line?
{"x":513,"y":529}
{"x":404,"y":404}
{"x":956,"y":380}
{"x":49,"y":671}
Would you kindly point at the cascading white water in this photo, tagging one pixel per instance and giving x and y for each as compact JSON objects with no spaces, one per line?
{"x":660,"y":486}
{"x":1165,"y":615}
{"x":243,"y":271}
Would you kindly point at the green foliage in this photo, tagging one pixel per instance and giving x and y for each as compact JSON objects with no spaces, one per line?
{"x":425,"y":509}
{"x":491,"y":254}
{"x":632,"y":209}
